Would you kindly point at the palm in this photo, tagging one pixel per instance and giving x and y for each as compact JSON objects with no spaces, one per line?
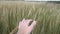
{"x":24,"y":28}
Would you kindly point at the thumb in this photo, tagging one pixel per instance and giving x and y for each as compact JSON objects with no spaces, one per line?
{"x":32,"y":25}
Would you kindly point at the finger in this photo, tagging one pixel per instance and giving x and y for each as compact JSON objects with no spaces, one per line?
{"x":32,"y":25}
{"x":21,"y":23}
{"x":23,"y":20}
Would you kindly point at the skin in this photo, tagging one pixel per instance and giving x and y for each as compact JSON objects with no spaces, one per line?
{"x":24,"y":28}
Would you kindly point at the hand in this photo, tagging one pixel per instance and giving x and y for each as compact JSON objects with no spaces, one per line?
{"x":24,"y":28}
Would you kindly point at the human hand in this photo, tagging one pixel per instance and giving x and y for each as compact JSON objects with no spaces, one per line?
{"x":24,"y":28}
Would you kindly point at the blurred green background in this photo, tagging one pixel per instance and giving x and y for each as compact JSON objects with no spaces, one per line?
{"x":46,"y":14}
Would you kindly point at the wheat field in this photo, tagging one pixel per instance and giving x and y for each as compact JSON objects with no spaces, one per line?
{"x":46,"y":14}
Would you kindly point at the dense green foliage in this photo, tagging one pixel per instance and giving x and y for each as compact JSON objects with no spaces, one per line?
{"x":47,"y":16}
